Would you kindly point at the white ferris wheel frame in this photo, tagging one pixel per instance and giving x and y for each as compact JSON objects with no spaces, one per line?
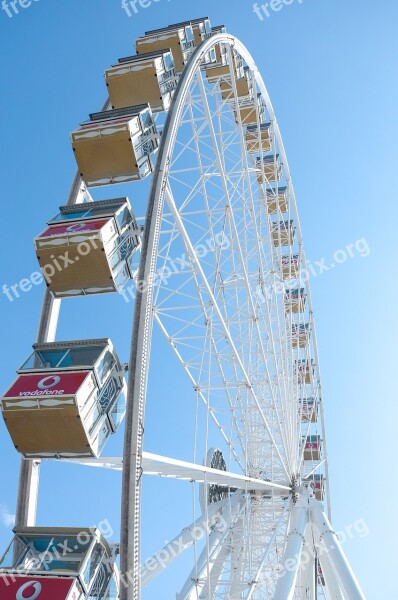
{"x":305,"y":511}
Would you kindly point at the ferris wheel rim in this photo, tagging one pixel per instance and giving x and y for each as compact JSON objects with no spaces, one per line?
{"x":143,"y":320}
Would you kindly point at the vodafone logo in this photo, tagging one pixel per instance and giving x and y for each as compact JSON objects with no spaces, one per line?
{"x":31,"y":594}
{"x":39,"y":588}
{"x":76,"y":227}
{"x":48,"y":382}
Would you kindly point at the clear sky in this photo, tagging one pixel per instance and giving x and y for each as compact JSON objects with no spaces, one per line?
{"x":331,"y":70}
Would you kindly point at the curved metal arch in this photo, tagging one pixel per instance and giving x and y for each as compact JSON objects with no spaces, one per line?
{"x":143,"y":317}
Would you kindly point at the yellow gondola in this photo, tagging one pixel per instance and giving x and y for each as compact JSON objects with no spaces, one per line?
{"x":268,"y":167}
{"x":116,"y":146}
{"x":258,"y":140}
{"x":283,"y":233}
{"x":145,"y":78}
{"x":217,"y":72}
{"x":295,"y":300}
{"x":67,"y":400}
{"x":308,"y":410}
{"x":89,"y":248}
{"x":179,"y":39}
{"x":312,"y":447}
{"x":290,"y":266}
{"x":300,"y":335}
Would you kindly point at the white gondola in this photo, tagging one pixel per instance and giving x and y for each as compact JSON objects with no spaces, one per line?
{"x":98,"y":239}
{"x":68,"y":399}
{"x":116,"y":146}
{"x":59,"y":564}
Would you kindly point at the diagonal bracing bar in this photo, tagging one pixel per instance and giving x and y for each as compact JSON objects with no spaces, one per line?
{"x":185,"y":539}
{"x":207,"y":560}
{"x":163,"y":466}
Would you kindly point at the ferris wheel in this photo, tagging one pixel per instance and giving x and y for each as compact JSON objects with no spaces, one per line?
{"x":219,"y":272}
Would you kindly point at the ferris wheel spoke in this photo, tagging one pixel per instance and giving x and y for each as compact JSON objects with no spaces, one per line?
{"x":199,"y":578}
{"x":192,"y":367}
{"x":184,"y":540}
{"x":247,"y":171}
{"x":213,"y":411}
{"x":239,"y":559}
{"x":219,"y":567}
{"x":258,"y":246}
{"x":241,"y":320}
{"x":267,"y":550}
{"x":191,"y":252}
{"x":258,"y":549}
{"x":315,"y":469}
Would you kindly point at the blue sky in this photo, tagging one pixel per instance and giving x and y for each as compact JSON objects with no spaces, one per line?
{"x":331,"y":71}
